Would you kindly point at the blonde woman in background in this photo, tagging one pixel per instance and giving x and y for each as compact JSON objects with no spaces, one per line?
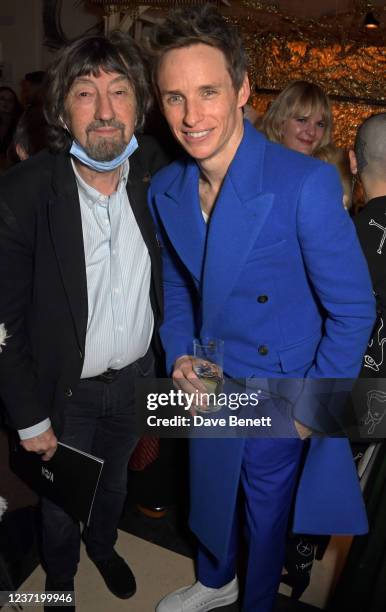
{"x":300,"y":118}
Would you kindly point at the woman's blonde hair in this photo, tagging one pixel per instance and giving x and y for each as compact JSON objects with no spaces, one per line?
{"x":297,"y":99}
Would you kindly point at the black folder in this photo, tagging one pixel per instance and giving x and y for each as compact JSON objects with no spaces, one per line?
{"x":69,"y":479}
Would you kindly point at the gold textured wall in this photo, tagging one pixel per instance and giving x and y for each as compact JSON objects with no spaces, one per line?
{"x":335,"y":52}
{"x":348,"y":115}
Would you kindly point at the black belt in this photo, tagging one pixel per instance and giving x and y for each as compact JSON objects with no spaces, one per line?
{"x":106,"y":377}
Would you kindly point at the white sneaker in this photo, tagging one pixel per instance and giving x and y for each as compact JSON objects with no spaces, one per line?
{"x":199,"y":598}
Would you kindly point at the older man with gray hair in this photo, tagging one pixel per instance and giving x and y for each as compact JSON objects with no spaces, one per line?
{"x":81,"y":291}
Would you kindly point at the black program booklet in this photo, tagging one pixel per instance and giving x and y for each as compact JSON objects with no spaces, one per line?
{"x":70,"y":479}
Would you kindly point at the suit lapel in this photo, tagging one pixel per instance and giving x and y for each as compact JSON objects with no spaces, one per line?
{"x":237,"y":220}
{"x":233,"y":231}
{"x":180,"y":213}
{"x":216,"y":257}
{"x":67,"y":237}
{"x":137,"y":186}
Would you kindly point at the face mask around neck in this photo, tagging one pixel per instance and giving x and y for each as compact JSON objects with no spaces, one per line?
{"x":103,"y":166}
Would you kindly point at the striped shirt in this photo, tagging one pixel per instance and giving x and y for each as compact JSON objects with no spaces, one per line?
{"x":120,"y":318}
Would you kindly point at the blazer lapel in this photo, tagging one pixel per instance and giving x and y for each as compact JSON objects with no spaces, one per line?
{"x":216,"y":257}
{"x":67,"y":237}
{"x":180,"y":214}
{"x":137,"y":186}
{"x":237,"y":220}
{"x":233,"y":231}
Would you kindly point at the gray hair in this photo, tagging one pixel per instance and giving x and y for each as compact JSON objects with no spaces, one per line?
{"x":117,"y":52}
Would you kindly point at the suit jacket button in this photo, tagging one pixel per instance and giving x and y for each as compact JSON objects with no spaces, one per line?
{"x":262,"y":350}
{"x":68,"y":392}
{"x":262,"y":299}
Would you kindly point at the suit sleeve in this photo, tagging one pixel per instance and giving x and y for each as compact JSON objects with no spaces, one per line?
{"x":18,"y":383}
{"x":339,"y":276}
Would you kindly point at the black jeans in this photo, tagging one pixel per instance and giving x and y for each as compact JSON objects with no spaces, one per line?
{"x":99,"y":419}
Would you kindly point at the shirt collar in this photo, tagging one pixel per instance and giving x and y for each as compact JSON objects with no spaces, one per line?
{"x":91,"y":195}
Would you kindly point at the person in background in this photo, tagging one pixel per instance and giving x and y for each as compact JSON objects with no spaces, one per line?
{"x":368,"y":161}
{"x":362,"y":583}
{"x":300,"y":118}
{"x":30,"y":137}
{"x":10,"y":111}
{"x":257,"y":252}
{"x":81,"y":294}
{"x":33,"y":88}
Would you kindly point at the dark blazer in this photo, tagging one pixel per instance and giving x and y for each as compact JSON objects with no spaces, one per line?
{"x":43,"y":300}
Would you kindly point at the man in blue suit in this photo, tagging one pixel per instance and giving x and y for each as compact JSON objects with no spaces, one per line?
{"x":258,"y":251}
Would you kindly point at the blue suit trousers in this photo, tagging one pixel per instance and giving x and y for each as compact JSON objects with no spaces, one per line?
{"x":268,"y":477}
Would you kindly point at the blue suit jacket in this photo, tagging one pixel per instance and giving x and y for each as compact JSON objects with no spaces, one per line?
{"x":278,"y":229}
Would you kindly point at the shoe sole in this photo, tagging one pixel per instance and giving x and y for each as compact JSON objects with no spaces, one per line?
{"x":225,"y":600}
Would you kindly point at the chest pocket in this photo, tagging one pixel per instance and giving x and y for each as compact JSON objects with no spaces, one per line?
{"x":271,"y":250}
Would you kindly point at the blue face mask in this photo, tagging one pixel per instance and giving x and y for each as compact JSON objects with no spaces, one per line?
{"x":103,"y":166}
